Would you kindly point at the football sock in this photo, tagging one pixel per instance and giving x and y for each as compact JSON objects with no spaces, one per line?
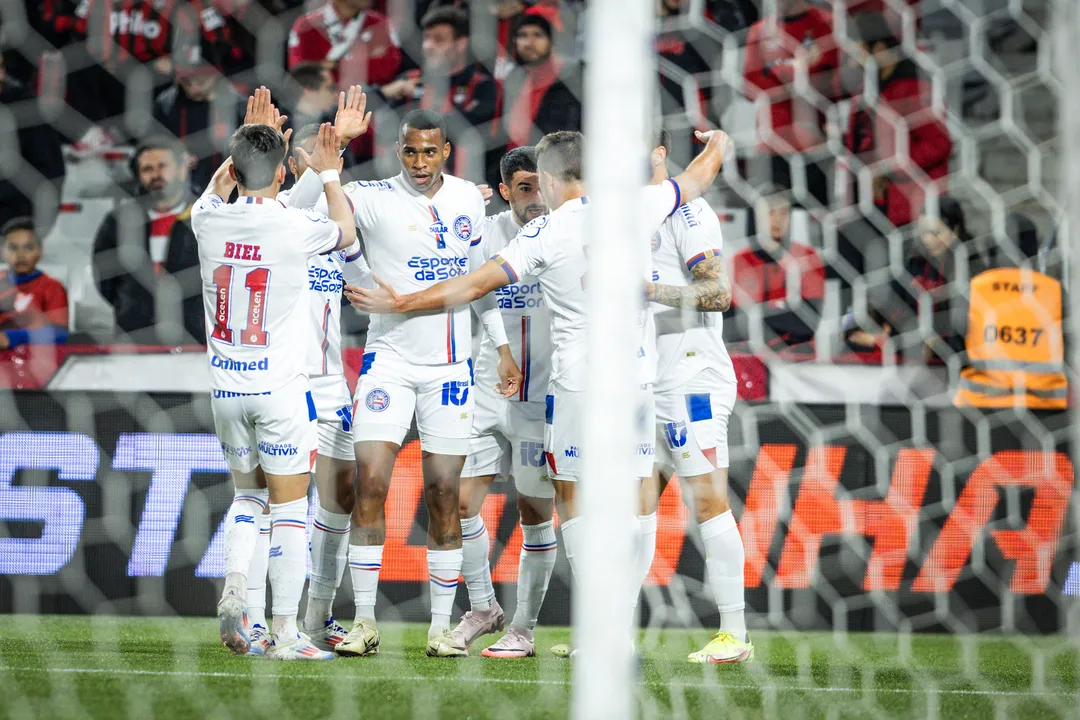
{"x":538,"y":554}
{"x":570,"y":530}
{"x":288,"y":563}
{"x":329,"y":548}
{"x":444,"y":567}
{"x":646,"y":550}
{"x":256,"y":591}
{"x":474,"y":563}
{"x":724,"y":561}
{"x":241,"y":535}
{"x":365,"y":562}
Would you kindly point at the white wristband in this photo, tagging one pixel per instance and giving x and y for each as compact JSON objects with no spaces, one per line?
{"x":329,"y":176}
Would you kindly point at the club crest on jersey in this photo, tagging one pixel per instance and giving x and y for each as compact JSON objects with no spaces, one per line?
{"x":463,"y":227}
{"x":377,"y":400}
{"x":656,"y":242}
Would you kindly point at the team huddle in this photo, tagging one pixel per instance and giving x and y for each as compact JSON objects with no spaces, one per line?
{"x":275,"y":266}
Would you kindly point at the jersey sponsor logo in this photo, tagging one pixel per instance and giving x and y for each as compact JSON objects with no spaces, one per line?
{"x":689,"y":217}
{"x":656,"y":241}
{"x":325,"y":280}
{"x":239,"y":365}
{"x":532,"y":454}
{"x":345,"y":414}
{"x":125,"y":22}
{"x":646,"y":449}
{"x":374,"y":185}
{"x":377,"y":400}
{"x":520,"y":296}
{"x":463,"y":227}
{"x":438,"y":268}
{"x":455,"y":392}
{"x":281,"y":449}
{"x":676,"y":434}
{"x":235,"y":451}
{"x":572,"y":452}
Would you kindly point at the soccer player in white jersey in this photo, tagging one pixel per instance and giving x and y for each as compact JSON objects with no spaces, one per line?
{"x":335,"y":467}
{"x":419,"y":227}
{"x":508,"y":436}
{"x":695,"y":392}
{"x":253,"y":259}
{"x":553,"y":249}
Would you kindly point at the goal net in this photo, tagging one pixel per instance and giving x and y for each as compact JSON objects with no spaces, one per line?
{"x":904,"y":556}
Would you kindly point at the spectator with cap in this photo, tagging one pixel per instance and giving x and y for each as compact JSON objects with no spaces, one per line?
{"x":1011,"y":321}
{"x":203,"y":110}
{"x":899,"y":183}
{"x":462,"y":91}
{"x":798,"y":38}
{"x":36,"y":155}
{"x":769,"y":272}
{"x":141,"y":255}
{"x":542,"y":94}
{"x":33,"y":306}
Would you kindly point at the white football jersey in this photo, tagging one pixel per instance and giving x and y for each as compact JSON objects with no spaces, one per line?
{"x":526,"y":318}
{"x":687,"y":341}
{"x":411,"y":243}
{"x":327,"y":276}
{"x":253,"y":256}
{"x":553,"y":249}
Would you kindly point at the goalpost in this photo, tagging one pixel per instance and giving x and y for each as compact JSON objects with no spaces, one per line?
{"x":620,"y":64}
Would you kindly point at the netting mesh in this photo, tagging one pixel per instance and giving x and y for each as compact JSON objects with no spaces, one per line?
{"x":874,"y":180}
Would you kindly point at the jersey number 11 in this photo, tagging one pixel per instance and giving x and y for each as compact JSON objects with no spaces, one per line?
{"x":257,"y":281}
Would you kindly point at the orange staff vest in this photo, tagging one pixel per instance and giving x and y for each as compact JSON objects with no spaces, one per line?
{"x":1015,"y":350}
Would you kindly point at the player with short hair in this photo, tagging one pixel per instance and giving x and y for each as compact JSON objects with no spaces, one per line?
{"x":552,"y":248}
{"x":253,"y":258}
{"x":335,"y":466}
{"x":508,"y":437}
{"x":695,"y":392}
{"x":419,"y":227}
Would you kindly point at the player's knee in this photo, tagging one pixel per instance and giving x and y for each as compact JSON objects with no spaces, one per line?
{"x":442,"y":492}
{"x":534,"y":511}
{"x":345,"y":496}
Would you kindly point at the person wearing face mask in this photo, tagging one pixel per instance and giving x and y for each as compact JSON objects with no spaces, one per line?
{"x":145,"y":261}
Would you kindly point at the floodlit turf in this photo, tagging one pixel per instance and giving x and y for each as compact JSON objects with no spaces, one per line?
{"x":109,"y":667}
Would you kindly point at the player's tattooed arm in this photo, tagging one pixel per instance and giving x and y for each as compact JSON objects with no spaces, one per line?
{"x":709,"y":292}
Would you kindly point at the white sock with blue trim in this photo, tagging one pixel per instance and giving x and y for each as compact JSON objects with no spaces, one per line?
{"x":365,"y":562}
{"x":256,"y":589}
{"x":444,"y":567}
{"x":475,"y":567}
{"x":539,"y":551}
{"x":288,"y":564}
{"x":329,"y":555}
{"x":241,"y":536}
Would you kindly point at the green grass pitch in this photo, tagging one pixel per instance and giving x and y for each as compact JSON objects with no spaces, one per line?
{"x":112,"y":667}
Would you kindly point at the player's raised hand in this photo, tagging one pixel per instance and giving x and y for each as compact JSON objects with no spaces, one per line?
{"x":261,"y":111}
{"x":351,"y":120}
{"x":380,"y":300}
{"x":326,"y":154}
{"x":718,"y":139}
{"x":510,"y":375}
{"x":486,"y":192}
{"x":223,"y":182}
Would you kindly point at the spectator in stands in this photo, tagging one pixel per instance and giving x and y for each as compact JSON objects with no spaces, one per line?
{"x":38,"y":145}
{"x":769,"y":272}
{"x":540,"y":95}
{"x":690,"y":50}
{"x":508,"y":16}
{"x":315,"y":93}
{"x":33,"y":306}
{"x":355,"y":42}
{"x":1011,"y":320}
{"x":797,"y":39}
{"x":144,"y":249}
{"x":203,"y":110}
{"x":871,"y":135}
{"x":464,"y":92}
{"x":931,"y":270}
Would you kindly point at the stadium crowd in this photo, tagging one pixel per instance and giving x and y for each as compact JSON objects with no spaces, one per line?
{"x":169,"y":78}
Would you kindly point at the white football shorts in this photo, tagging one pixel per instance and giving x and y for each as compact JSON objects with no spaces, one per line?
{"x":274,"y":429}
{"x":391,"y":390}
{"x":692,"y":425}
{"x":333,"y":406}
{"x":565,"y":431}
{"x":508,"y":441}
